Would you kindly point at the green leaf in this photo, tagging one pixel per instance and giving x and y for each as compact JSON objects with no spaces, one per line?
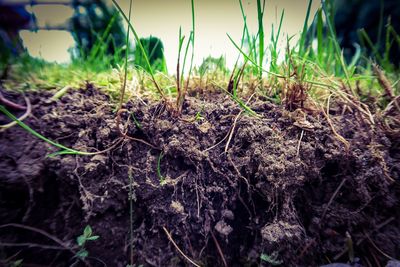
{"x":87,"y":231}
{"x":271,"y":259}
{"x":81,"y":240}
{"x":17,"y":263}
{"x":93,"y":237}
{"x":82,"y":253}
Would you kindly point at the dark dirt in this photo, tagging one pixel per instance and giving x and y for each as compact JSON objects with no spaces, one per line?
{"x":297,"y":203}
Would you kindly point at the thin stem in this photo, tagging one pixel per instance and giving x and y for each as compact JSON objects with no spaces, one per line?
{"x":126,"y":59}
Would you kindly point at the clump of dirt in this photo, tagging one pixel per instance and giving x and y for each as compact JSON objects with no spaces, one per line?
{"x":217,"y":185}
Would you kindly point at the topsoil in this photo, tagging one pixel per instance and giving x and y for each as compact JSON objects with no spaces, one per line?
{"x":215,"y":185}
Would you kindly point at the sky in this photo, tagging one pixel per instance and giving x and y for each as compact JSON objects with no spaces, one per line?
{"x":162,"y":18}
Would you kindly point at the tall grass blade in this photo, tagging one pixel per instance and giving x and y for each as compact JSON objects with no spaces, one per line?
{"x":304,"y":32}
{"x":139,"y":43}
{"x":251,"y":60}
{"x":260,"y":16}
{"x":64,"y":150}
{"x":192,"y":42}
{"x":338,"y":52}
{"x":123,"y":88}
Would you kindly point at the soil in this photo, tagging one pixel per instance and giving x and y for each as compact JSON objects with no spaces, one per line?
{"x":214,"y":185}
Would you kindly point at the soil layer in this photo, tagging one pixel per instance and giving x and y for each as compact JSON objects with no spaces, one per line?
{"x":214,"y":185}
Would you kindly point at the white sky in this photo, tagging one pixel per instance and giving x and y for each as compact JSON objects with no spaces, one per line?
{"x":161,"y":18}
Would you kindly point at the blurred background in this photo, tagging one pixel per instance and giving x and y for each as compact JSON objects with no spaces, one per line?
{"x":62,"y":30}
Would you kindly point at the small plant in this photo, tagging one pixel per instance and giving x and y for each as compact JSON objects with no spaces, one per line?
{"x":271,"y":259}
{"x":81,"y":240}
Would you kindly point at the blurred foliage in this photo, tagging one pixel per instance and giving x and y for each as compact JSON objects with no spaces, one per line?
{"x":155,"y":53}
{"x":364,"y":30}
{"x":213,"y":64}
{"x":98,"y":32}
{"x":13,"y":18}
{"x":373,"y":17}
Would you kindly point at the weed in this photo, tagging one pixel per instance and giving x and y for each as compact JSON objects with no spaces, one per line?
{"x":198,"y":116}
{"x":81,"y":241}
{"x":271,"y":259}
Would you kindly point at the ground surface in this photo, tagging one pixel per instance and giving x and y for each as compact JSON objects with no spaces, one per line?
{"x":233,"y":187}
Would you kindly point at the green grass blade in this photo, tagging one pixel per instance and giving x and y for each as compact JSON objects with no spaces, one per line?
{"x":251,"y":60}
{"x":320,"y":37}
{"x":185,"y":56}
{"x":338,"y":52}
{"x":64,"y":149}
{"x":192,"y":42}
{"x":238,"y":101}
{"x":123,"y":88}
{"x":260,"y":16}
{"x":139,"y":43}
{"x":305,"y":27}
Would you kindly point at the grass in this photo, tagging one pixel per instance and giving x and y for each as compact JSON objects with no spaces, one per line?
{"x":140,"y":46}
{"x":63,"y":149}
{"x":316,"y":58}
{"x":260,"y":17}
{"x":123,"y":88}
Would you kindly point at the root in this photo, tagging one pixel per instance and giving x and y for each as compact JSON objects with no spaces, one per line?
{"x":298,"y":145}
{"x":390,"y":107}
{"x":178,"y":249}
{"x":378,"y":249}
{"x":337,"y":135}
{"x":220,"y":142}
{"x":237,"y":171}
{"x":125,"y":135}
{"x":43,"y":233}
{"x":379,"y":226}
{"x":331,"y":199}
{"x":32,"y":245}
{"x":232,"y":131}
{"x":23,"y":117}
{"x":11,"y":104}
{"x":234,"y":125}
{"x":219,"y":249}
